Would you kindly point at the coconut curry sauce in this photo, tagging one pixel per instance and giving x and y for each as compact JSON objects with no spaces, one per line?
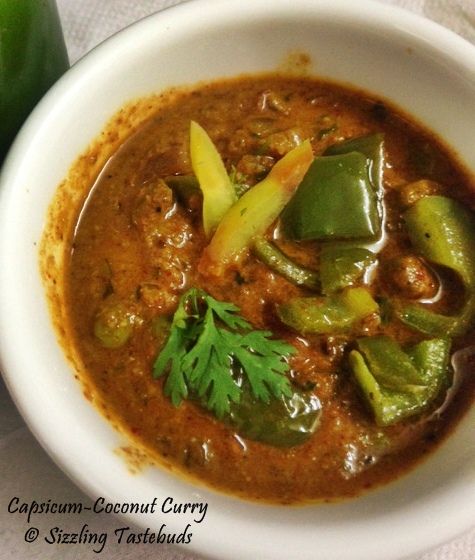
{"x":335,"y":253}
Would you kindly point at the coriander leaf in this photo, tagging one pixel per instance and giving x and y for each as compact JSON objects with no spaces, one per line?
{"x":207,"y":340}
{"x":225,"y":311}
{"x":261,"y":360}
{"x":208,"y":368}
{"x":174,"y":351}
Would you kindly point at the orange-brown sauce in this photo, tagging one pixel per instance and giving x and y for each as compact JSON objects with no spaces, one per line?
{"x":136,"y":244}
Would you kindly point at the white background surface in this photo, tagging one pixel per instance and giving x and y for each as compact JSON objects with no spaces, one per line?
{"x":25,"y":469}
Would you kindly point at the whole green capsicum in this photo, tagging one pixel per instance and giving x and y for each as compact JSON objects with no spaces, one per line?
{"x":32,"y":57}
{"x":443,"y":232}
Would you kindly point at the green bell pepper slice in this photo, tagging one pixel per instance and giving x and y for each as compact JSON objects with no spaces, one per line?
{"x":387,"y":406}
{"x":342,"y":266}
{"x":328,"y":315}
{"x":397,"y":385}
{"x":391,"y":366}
{"x":273,"y":257}
{"x":431,"y":358}
{"x":332,"y":186}
{"x":443,"y":232}
{"x":334,"y":183}
{"x":372,"y":147}
{"x":283,"y":422}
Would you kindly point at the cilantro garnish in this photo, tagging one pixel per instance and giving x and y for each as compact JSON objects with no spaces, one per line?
{"x":207,"y":341}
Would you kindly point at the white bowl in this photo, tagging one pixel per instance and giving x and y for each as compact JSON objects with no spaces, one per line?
{"x":425,"y":69}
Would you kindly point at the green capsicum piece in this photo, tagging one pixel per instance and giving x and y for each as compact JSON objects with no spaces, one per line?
{"x":273,"y":257}
{"x":443,"y":232}
{"x":340,"y":266}
{"x":184,"y":187}
{"x":327,"y":315}
{"x":431,"y":358}
{"x":387,"y":406}
{"x":343,"y":266}
{"x":320,"y":207}
{"x":391,"y":366}
{"x":372,"y":147}
{"x":319,"y":210}
{"x":394,"y":384}
{"x":283,"y":422}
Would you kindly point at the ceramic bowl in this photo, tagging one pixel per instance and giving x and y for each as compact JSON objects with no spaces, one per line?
{"x":425,"y":69}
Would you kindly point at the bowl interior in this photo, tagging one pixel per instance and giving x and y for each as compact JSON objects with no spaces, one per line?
{"x":424,"y":69}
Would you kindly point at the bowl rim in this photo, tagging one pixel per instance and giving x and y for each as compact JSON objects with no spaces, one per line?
{"x":47,"y":432}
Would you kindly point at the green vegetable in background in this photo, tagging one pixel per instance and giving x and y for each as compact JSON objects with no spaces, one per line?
{"x":397,"y":384}
{"x":328,"y":315}
{"x":207,"y":342}
{"x":443,"y":232}
{"x":32,"y":57}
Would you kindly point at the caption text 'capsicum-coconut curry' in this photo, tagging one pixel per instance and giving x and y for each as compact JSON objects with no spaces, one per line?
{"x":267,"y":284}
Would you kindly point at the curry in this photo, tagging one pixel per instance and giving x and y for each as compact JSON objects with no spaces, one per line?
{"x":267,"y":284}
